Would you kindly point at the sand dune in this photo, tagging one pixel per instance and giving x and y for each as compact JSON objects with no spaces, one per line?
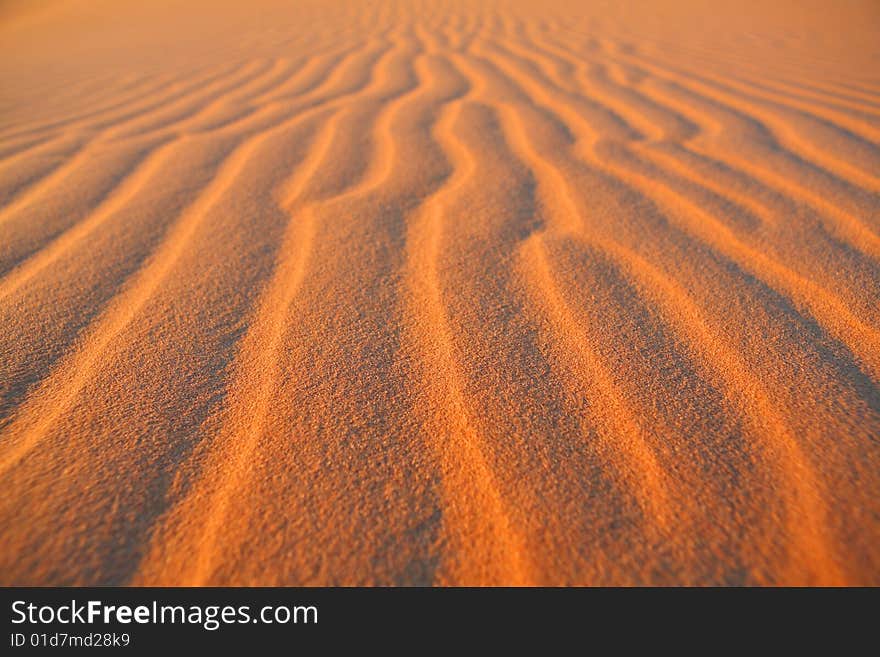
{"x":439,"y":292}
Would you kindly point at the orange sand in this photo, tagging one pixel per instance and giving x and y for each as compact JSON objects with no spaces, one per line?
{"x":532,"y":292}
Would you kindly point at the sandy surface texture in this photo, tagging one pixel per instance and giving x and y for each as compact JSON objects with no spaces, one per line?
{"x":439,"y":292}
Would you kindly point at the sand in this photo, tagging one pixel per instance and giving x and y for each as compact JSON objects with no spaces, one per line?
{"x":453,"y":293}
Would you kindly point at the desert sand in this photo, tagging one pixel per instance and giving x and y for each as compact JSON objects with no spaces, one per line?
{"x":452,"y":293}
